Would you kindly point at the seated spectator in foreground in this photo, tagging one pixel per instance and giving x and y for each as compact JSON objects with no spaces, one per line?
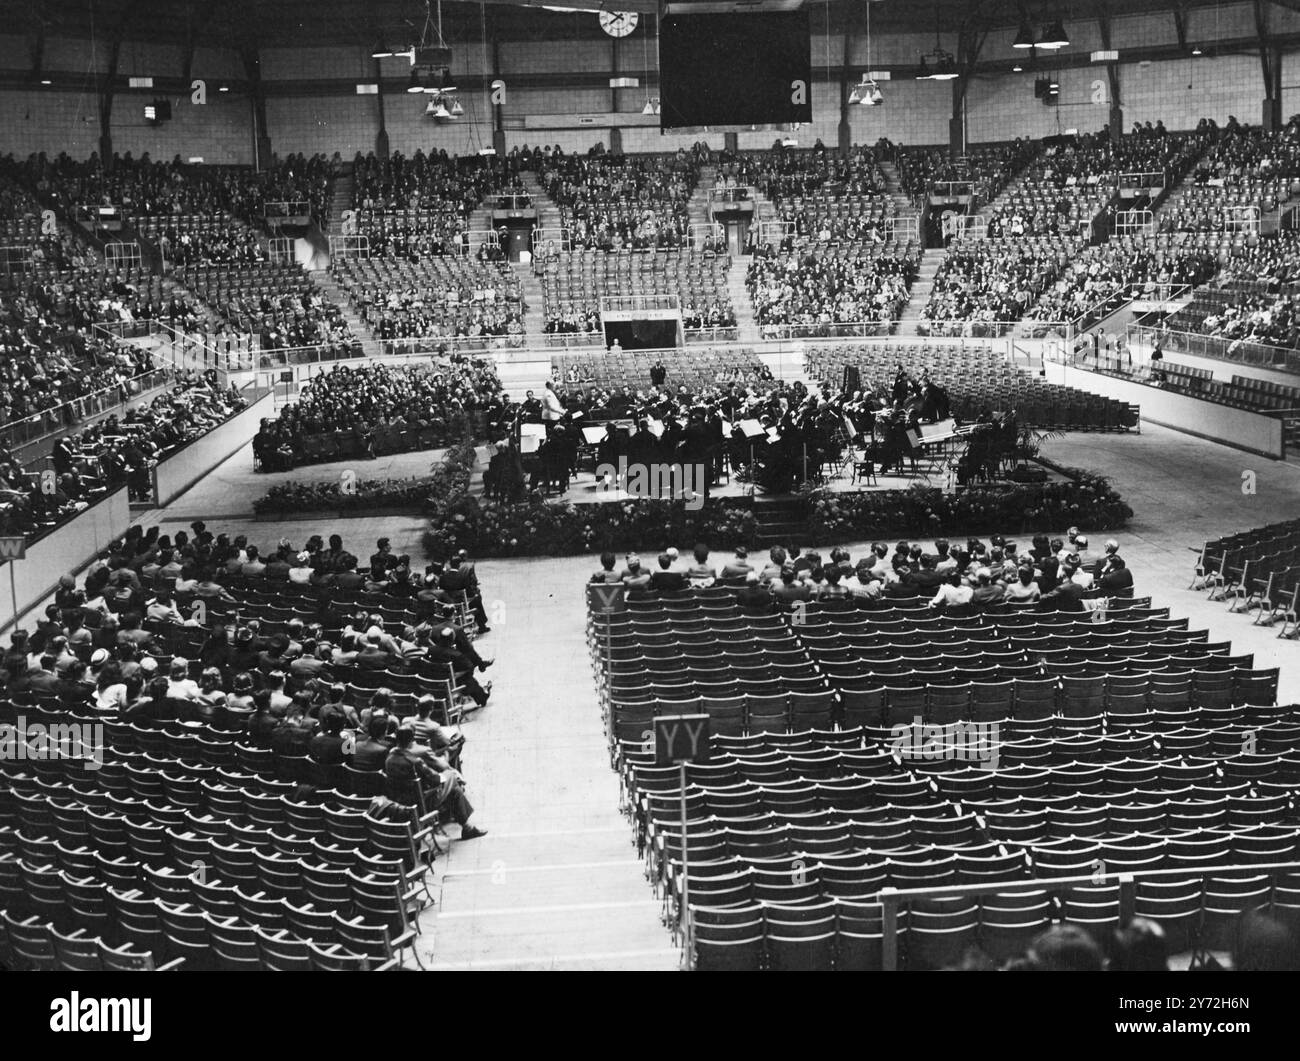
{"x":408,"y":762}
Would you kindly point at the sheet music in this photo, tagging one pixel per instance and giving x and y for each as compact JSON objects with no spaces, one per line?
{"x":530,"y":437}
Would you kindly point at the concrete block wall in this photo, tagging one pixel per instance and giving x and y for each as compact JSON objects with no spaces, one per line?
{"x":303,"y":118}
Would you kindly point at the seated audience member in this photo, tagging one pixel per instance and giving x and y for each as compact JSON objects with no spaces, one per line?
{"x":701,"y":573}
{"x":1023,"y":589}
{"x":408,"y":762}
{"x":666,"y":580}
{"x":953,"y":593}
{"x":370,"y":753}
{"x":738,"y":567}
{"x":607,"y":575}
{"x":1117,"y":580}
{"x":327,"y":744}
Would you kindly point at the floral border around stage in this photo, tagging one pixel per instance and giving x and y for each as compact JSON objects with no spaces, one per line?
{"x":460,"y":520}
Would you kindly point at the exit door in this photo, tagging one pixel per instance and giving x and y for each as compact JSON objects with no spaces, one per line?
{"x":737,"y":234}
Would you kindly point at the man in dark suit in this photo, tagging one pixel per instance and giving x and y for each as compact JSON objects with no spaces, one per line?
{"x":755,"y":597}
{"x":658,"y":374}
{"x":1067,"y":597}
{"x":788,"y":591}
{"x":460,"y":577}
{"x":926,"y":580}
{"x":372,"y":656}
{"x":409,"y":761}
{"x":443,"y":650}
{"x":738,"y":567}
{"x":1118,"y":579}
{"x":326,"y":746}
{"x":666,"y":580}
{"x":369,"y":754}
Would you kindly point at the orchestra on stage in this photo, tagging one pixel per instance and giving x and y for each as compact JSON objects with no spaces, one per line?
{"x":781,"y":436}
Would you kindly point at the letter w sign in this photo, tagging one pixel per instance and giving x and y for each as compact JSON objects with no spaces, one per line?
{"x":681,"y":739}
{"x":13,"y":548}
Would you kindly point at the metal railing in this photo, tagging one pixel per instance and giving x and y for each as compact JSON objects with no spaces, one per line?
{"x":948,"y":190}
{"x":70,"y":415}
{"x":955,"y":226}
{"x":122,"y":255}
{"x":944,"y":329}
{"x":349,"y":246}
{"x":1143,"y":292}
{"x":288,"y":212}
{"x":512,"y":201}
{"x":774,"y":232}
{"x":903,"y":227}
{"x":698,"y":232}
{"x":1141,"y":180}
{"x":478,"y":238}
{"x":15,"y":259}
{"x":279,"y":249}
{"x":1241,"y":219}
{"x":1216,"y":348}
{"x":1138,"y":222}
{"x":722,"y":199}
{"x":637,"y":303}
{"x":548,"y":241}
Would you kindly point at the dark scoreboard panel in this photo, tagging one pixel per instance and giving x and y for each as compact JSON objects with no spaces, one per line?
{"x":750,"y":69}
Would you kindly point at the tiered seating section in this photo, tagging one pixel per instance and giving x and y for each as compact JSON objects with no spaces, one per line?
{"x":703,"y":368}
{"x":979,"y":382}
{"x":1098,"y":277}
{"x":1244,"y":173}
{"x":625,"y":202}
{"x":1065,"y":748}
{"x":988,"y":169}
{"x":1243,"y":311}
{"x":573,"y":285}
{"x":419,"y":206}
{"x":985,"y":286}
{"x":279,"y":303}
{"x":435,"y":298}
{"x":855,"y":289}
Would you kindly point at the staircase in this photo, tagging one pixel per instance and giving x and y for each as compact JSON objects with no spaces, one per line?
{"x":548,"y":214}
{"x":534,"y":305}
{"x":919,"y":296}
{"x":746,"y":327}
{"x":780,"y":522}
{"x":329,"y":289}
{"x":697,"y":207}
{"x":894,"y":189}
{"x":340,"y":201}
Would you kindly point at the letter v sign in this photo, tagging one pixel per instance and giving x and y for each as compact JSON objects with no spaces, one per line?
{"x":606,"y":600}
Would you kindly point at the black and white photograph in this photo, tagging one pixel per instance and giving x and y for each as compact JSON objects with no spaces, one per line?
{"x":640,"y":487}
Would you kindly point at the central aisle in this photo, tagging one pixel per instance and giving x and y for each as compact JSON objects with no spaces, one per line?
{"x":557,"y":882}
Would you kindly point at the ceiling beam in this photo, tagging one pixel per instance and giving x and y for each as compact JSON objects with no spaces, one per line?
{"x":1262,"y":36}
{"x":196,"y":23}
{"x":1180,"y":25}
